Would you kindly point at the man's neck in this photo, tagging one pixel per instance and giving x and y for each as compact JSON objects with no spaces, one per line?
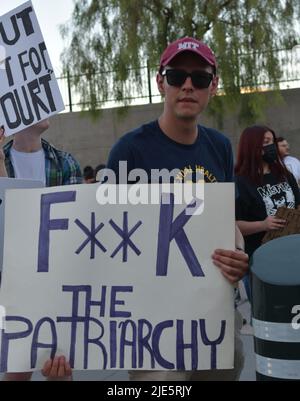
{"x":27,"y":143}
{"x":181,"y":131}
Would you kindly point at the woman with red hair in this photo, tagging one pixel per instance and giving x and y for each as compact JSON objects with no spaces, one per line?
{"x":263,"y":184}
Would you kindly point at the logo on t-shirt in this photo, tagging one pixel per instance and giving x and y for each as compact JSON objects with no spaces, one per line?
{"x":275,"y":196}
{"x":189,"y":174}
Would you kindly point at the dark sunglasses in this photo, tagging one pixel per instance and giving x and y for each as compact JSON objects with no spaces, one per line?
{"x":200,"y":79}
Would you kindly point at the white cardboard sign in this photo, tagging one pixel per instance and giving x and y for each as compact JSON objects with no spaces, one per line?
{"x":29,"y":91}
{"x":11,"y":183}
{"x":116,"y":286}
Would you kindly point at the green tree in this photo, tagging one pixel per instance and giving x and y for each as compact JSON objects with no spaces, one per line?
{"x":121,"y":36}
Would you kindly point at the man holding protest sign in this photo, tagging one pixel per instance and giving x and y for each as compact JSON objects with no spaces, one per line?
{"x":187,"y":79}
{"x":29,"y":95}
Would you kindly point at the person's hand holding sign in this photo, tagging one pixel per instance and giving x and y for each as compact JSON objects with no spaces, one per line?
{"x":54,"y":369}
{"x":233,"y":264}
{"x":57,"y":369}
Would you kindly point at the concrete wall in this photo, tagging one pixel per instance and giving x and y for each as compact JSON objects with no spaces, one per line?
{"x":90,"y":140}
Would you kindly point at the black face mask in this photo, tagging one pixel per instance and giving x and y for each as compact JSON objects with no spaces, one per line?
{"x":270,"y":153}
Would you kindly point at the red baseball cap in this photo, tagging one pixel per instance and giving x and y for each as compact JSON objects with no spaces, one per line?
{"x":191,"y":45}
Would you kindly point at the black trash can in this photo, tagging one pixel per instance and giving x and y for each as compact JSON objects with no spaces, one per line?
{"x":275,"y":271}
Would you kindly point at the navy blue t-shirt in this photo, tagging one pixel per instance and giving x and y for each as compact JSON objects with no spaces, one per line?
{"x":147,"y":147}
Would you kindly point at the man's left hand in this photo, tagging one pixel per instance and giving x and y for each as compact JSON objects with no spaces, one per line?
{"x":57,"y":369}
{"x":233,"y":264}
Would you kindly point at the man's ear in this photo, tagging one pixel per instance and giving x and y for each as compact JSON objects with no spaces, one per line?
{"x":160,"y":84}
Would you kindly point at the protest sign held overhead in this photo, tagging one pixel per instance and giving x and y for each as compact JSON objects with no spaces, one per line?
{"x":28,"y":91}
{"x":116,"y":286}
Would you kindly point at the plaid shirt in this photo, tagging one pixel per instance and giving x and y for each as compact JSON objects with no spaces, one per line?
{"x":61,"y":167}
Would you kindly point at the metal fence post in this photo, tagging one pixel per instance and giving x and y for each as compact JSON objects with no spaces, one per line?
{"x":149,"y":82}
{"x":69,"y":91}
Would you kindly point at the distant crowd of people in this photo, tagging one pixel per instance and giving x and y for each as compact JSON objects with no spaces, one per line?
{"x":91,"y":175}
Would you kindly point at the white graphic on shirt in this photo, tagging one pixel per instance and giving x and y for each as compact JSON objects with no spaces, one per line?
{"x":275,"y":196}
